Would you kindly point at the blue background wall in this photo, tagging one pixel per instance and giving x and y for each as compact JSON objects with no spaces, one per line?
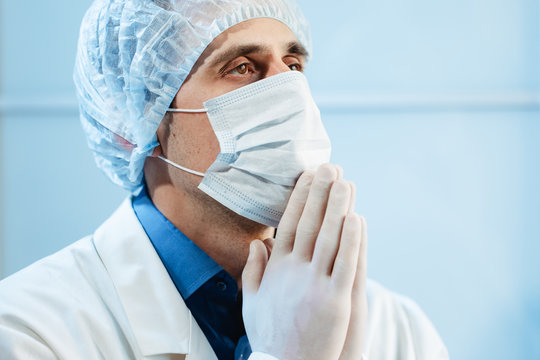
{"x":434,"y":111}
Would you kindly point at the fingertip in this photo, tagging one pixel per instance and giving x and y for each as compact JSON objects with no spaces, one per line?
{"x":253,"y":247}
{"x":269,"y":243}
{"x":363,"y":221}
{"x":339,"y":170}
{"x":269,"y":240}
{"x":352,"y":185}
{"x":327,"y":172}
{"x":306,"y":178}
{"x":354,"y":219}
{"x":354,"y":225}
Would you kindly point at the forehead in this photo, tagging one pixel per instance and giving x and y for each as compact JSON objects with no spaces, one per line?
{"x":270,"y":33}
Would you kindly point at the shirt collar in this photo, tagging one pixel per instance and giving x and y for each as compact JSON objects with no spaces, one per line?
{"x":187,"y":264}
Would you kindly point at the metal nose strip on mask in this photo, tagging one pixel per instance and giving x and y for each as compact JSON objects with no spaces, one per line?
{"x":181,"y":167}
{"x":187,"y":110}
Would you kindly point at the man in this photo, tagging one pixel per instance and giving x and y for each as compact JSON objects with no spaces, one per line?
{"x":201,"y":110}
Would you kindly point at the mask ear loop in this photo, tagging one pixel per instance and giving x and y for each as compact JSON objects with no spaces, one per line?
{"x":181,"y":167}
{"x":187,"y":110}
{"x":169,"y":161}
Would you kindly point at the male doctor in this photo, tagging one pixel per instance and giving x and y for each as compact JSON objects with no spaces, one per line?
{"x":239,"y":240}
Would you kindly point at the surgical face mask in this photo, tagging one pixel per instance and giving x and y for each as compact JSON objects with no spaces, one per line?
{"x":269,"y":132}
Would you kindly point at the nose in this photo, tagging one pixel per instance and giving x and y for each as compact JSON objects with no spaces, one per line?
{"x":276,"y":66}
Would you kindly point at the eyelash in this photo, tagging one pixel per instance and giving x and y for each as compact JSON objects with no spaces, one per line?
{"x":299,"y":66}
{"x":238,"y":66}
{"x":247,"y":65}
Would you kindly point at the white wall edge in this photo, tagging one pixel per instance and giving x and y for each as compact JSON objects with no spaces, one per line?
{"x":428,"y":102}
{"x":346,"y":102}
{"x":57,"y":105}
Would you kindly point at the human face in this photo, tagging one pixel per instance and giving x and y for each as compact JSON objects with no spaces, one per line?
{"x":245,"y":53}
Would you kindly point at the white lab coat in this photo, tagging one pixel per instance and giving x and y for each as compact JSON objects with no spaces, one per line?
{"x":108,"y":296}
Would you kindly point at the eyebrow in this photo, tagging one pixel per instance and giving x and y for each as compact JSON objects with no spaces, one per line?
{"x":293,"y":47}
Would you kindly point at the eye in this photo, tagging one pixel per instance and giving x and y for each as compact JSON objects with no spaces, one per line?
{"x":295,"y":67}
{"x":241,"y":69}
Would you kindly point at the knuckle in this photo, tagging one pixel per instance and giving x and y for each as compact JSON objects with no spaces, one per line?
{"x":343,"y":265}
{"x":284,"y":233}
{"x":333,"y":222}
{"x":305,"y":232}
{"x":341,"y":189}
{"x":326,"y":243}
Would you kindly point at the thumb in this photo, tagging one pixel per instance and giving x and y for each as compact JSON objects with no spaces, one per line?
{"x":269,"y":243}
{"x":255,"y":265}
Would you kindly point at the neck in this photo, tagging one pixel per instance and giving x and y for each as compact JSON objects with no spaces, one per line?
{"x":221,"y":233}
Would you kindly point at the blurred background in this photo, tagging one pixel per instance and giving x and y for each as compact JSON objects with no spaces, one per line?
{"x":433,"y":109}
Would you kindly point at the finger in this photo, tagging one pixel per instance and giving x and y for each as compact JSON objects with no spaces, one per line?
{"x":289,"y":221}
{"x":352,"y":201}
{"x":329,"y":237}
{"x":313,"y":214}
{"x":346,"y":263}
{"x":269,"y":243}
{"x":357,"y":326}
{"x":254,"y":269}
{"x":339,"y":172}
{"x":361,"y":272}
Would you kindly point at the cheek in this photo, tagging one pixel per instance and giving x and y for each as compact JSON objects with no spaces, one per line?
{"x":208,"y":145}
{"x":193,"y":141}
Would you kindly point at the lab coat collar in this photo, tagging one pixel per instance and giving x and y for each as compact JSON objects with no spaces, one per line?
{"x":159,"y":318}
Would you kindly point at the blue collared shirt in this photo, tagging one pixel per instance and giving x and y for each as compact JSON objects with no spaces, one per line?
{"x":210,"y":293}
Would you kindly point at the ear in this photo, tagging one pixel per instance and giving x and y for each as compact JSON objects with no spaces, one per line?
{"x":157,"y":151}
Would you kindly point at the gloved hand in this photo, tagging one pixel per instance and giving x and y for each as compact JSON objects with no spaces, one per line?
{"x":298,"y":304}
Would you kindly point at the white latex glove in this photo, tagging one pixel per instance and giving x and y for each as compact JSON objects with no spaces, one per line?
{"x":297,"y":304}
{"x":354,"y":344}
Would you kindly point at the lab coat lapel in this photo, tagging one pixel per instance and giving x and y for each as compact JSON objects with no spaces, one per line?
{"x":159,"y":318}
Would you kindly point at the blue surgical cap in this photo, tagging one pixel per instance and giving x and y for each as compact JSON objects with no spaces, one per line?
{"x":132,"y":58}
